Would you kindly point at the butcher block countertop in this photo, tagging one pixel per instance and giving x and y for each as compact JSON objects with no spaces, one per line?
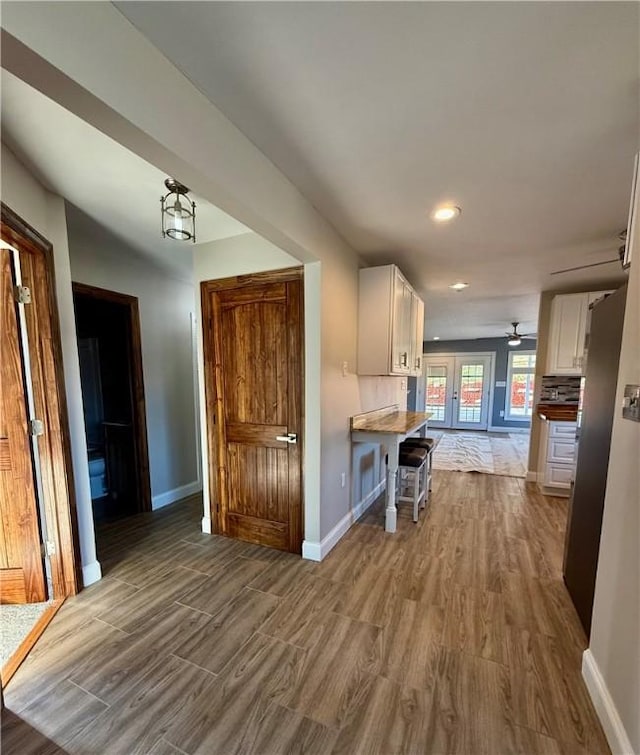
{"x":389,"y":420}
{"x":557,"y":412}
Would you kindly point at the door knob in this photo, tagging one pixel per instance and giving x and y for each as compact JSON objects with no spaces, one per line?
{"x":288,"y":438}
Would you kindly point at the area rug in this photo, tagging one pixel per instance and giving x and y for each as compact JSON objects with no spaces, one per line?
{"x":475,"y":452}
{"x":16,"y":621}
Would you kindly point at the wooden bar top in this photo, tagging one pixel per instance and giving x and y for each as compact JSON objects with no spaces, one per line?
{"x":557,"y":412}
{"x":389,"y":420}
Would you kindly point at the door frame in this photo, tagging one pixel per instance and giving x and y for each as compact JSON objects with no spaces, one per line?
{"x":59,"y":507}
{"x":454,"y":356}
{"x":214,"y":403}
{"x":141,"y":445}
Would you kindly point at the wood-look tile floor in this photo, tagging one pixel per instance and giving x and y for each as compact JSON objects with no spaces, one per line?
{"x":454,"y":635}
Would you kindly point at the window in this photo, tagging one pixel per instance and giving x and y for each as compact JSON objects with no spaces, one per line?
{"x":520,"y":378}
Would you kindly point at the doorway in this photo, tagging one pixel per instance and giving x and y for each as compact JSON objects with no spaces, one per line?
{"x":109,"y":348}
{"x":254,"y":373}
{"x":459,"y":390}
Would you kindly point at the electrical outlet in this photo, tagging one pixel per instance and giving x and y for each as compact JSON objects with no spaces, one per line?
{"x":403,"y":385}
{"x":343,"y":479}
{"x":345,"y":369}
{"x":502,"y":412}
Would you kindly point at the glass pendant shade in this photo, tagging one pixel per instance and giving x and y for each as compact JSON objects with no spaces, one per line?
{"x":178,"y":212}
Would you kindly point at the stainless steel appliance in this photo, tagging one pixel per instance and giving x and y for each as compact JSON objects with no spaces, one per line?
{"x":596,"y":414}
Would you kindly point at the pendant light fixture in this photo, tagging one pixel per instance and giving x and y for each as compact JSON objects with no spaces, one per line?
{"x":178,"y":212}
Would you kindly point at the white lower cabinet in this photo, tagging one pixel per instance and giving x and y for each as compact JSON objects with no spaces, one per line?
{"x":559,"y":443}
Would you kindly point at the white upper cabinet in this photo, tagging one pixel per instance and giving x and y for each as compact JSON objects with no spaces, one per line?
{"x":569,"y":318}
{"x":388,"y":313}
{"x":417,"y":330}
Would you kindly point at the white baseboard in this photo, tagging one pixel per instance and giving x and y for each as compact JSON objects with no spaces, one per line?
{"x":311,"y":550}
{"x":532,"y":477}
{"x":605,"y":707}
{"x":206,"y":525}
{"x":91,"y":573}
{"x":372,"y":495}
{"x":171,"y":496}
{"x":315,"y":551}
{"x":501,"y":429}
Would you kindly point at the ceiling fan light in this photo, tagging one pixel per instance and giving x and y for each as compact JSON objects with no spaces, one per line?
{"x":514,"y":341}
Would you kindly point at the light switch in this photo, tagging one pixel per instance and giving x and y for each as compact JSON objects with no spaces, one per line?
{"x":631,"y":403}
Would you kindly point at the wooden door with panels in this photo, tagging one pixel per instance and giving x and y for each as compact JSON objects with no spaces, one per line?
{"x":253,"y":352}
{"x":33,"y":389}
{"x":22,"y":576}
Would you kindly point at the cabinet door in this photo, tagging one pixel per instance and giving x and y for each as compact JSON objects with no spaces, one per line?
{"x":558,"y":475}
{"x":561,"y":451}
{"x":401,"y":332}
{"x":566,"y":342}
{"x":417,"y":331}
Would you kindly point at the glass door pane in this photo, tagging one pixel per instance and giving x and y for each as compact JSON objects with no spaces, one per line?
{"x":439,"y":374}
{"x":470,"y":393}
{"x":436,"y":392}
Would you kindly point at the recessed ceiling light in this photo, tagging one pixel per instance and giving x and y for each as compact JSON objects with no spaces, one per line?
{"x":436,"y":338}
{"x":445,"y":212}
{"x":458,"y":286}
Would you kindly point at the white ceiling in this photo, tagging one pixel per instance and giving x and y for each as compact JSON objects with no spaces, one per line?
{"x":112,"y":185}
{"x":525,"y":114}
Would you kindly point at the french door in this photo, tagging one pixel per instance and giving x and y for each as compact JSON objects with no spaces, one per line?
{"x":458,"y":390}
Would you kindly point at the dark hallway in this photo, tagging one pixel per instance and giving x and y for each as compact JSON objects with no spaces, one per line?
{"x":107,"y":354}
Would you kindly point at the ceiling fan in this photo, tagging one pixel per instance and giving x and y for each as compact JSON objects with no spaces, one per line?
{"x":515,"y":338}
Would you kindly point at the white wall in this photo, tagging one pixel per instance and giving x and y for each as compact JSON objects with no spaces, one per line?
{"x":612,"y":663}
{"x":166,"y":307}
{"x":45,"y":212}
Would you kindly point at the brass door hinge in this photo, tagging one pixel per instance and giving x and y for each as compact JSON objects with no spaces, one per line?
{"x":22,"y":294}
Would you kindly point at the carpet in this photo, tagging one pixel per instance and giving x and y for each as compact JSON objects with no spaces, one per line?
{"x":16,"y":621}
{"x":479,"y":452}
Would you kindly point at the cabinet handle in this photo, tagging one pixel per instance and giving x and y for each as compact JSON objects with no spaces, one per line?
{"x":404,"y":359}
{"x":418,"y":363}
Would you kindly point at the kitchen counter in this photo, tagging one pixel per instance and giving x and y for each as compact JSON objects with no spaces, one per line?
{"x":557,"y":412}
{"x":389,"y":427}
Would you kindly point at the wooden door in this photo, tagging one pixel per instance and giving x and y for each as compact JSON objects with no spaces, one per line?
{"x":49,"y":403}
{"x":21,"y":566}
{"x":254,"y":377}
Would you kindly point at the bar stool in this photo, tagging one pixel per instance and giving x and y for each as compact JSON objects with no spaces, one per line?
{"x":428,"y":444}
{"x":412,"y":478}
